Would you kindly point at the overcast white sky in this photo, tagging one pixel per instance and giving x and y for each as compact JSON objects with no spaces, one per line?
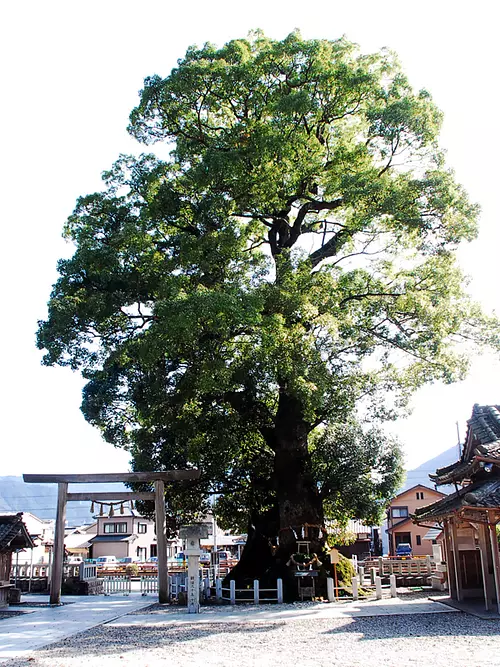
{"x":71,"y":72}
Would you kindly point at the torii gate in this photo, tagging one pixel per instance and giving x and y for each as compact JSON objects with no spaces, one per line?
{"x":62,"y":481}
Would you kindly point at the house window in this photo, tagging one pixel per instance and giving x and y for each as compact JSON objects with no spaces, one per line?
{"x":399,"y":512}
{"x":420,"y":495}
{"x":115,"y":527}
{"x":153,"y":551}
{"x":142,"y":528}
{"x":419,"y":540}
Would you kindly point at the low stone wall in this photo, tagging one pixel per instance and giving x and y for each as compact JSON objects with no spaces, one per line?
{"x":38,"y":585}
{"x":73,"y":586}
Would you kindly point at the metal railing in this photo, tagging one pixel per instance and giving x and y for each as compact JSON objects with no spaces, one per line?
{"x":249,"y":595}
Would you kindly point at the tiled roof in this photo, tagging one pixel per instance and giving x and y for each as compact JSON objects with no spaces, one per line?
{"x":482,"y":440}
{"x":13,"y":533}
{"x":115,"y":537}
{"x":481,"y":495}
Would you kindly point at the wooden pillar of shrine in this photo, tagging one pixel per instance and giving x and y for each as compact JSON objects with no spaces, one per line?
{"x":495,"y":558}
{"x":456,"y":559}
{"x":450,"y":562}
{"x":486,"y":562}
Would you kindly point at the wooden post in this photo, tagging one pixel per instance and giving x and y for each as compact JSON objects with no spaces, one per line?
{"x":483,"y":550}
{"x":496,"y":560}
{"x":330,"y":589}
{"x":279,"y":586}
{"x":456,"y":559}
{"x":206,"y":588}
{"x":232,"y":591}
{"x":394,"y":592}
{"x":161,"y":542}
{"x":218,"y":589}
{"x":256,"y":591}
{"x":355,"y":590}
{"x":57,"y":565}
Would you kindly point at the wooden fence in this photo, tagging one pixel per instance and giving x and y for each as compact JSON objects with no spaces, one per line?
{"x":407,"y":568}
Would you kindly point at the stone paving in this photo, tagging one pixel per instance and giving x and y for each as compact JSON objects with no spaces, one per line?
{"x":41,"y":626}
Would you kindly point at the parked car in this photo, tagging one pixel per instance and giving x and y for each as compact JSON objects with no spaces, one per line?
{"x":205,"y":558}
{"x":178,"y":559}
{"x":104,"y":561}
{"x":74,"y":560}
{"x":404,"y":550}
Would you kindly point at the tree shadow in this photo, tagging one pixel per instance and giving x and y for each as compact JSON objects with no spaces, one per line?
{"x":405,"y":626}
{"x":110,"y":640}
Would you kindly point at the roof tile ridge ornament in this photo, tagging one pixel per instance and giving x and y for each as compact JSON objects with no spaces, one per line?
{"x":490,"y":433}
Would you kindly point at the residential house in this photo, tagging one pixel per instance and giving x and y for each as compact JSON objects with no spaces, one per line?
{"x":400,"y":527}
{"x":77,"y":540}
{"x":127,"y":535}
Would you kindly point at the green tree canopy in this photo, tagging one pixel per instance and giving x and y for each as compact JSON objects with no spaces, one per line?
{"x":293,"y":260}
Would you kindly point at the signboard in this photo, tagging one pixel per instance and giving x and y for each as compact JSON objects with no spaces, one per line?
{"x":334,"y":556}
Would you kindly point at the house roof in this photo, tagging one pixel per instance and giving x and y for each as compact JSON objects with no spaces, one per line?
{"x":13,"y":533}
{"x":113,"y":538}
{"x":75,"y":541}
{"x":480,"y":495}
{"x":482,"y":445}
{"x":413,"y":488}
{"x":398,"y":524}
{"x":432,"y":534}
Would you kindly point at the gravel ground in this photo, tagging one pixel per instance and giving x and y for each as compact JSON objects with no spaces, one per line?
{"x":437,"y":640}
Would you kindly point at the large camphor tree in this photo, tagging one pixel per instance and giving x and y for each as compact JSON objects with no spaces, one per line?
{"x":291,"y":264}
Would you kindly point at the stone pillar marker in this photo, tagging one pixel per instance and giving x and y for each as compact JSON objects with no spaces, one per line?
{"x":192,"y":535}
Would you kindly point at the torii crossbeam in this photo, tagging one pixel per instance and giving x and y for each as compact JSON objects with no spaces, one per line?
{"x":62,"y":481}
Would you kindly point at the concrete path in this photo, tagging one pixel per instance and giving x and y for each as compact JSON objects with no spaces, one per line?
{"x":45,"y":625}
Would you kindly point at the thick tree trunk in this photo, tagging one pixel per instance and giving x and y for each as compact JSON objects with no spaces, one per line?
{"x":300,"y":508}
{"x":273,"y":538}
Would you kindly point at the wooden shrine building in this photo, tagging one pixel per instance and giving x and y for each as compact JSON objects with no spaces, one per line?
{"x":470,"y":515}
{"x":13,"y":537}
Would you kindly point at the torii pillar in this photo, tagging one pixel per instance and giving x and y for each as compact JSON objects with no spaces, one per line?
{"x":159,"y":479}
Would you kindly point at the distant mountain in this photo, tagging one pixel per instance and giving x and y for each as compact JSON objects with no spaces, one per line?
{"x":41,"y":499}
{"x":420,"y":475}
